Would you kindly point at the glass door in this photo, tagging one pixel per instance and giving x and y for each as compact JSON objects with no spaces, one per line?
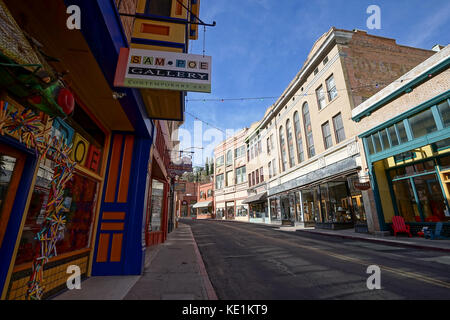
{"x":11,"y":168}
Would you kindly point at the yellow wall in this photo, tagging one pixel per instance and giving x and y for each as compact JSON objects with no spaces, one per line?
{"x":384,"y":191}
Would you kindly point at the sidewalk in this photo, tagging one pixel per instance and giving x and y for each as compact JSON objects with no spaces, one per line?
{"x":401,"y":240}
{"x":173,"y":270}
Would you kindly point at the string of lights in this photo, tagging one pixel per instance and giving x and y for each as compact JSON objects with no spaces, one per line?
{"x":376,"y":85}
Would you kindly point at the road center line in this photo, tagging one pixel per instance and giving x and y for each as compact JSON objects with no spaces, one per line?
{"x":413,"y":275}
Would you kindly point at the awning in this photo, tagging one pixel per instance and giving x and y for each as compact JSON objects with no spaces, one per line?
{"x":256,"y":198}
{"x":203,"y":204}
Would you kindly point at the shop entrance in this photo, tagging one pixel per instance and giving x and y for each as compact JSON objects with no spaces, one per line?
{"x":11,"y":167}
{"x":418,"y":193}
{"x":229,"y":210}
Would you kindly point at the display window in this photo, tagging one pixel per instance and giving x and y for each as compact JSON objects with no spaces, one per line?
{"x":275,"y":209}
{"x":241,"y":211}
{"x":230,"y":210}
{"x":80,"y":198}
{"x":419,"y":198}
{"x":258,"y":210}
{"x":81,"y":193}
{"x":11,"y":166}
{"x":156,"y":206}
{"x":309,"y":207}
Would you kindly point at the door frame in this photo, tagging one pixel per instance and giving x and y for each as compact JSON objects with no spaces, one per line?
{"x":12,"y":188}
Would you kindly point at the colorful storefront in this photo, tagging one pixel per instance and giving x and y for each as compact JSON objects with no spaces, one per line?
{"x":73,"y":159}
{"x":408,"y":152}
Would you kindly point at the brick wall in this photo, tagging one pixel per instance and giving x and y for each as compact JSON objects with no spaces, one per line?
{"x":369,"y":60}
{"x":127,"y":6}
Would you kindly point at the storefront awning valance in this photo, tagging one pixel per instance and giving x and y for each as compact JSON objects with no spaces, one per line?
{"x":203,"y":204}
{"x":256,"y":198}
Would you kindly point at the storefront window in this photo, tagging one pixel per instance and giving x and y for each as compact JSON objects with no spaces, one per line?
{"x":422,"y":123}
{"x":444,"y":111}
{"x":384,"y":139}
{"x":308,"y":205}
{"x":339,"y":206}
{"x":376,"y":141}
{"x":415,"y":168}
{"x":393,"y":135}
{"x":258,"y":210}
{"x":230,"y":210}
{"x":285,"y":208}
{"x":193,"y":212}
{"x":418,"y":193}
{"x":406,"y":202}
{"x":156,"y":206}
{"x":275,"y":209}
{"x":241,"y":211}
{"x":80,"y":197}
{"x":444,"y":163}
{"x":401,"y":132}
{"x":325,"y":204}
{"x":430,"y":198}
{"x":11,"y":168}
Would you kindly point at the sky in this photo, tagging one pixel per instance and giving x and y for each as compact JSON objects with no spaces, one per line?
{"x":258,"y":46}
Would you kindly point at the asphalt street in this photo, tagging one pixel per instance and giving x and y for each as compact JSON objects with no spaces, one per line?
{"x":252,"y":262}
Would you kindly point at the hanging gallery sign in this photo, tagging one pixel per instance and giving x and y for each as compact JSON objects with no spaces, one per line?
{"x":139,"y":68}
{"x":361,"y":185}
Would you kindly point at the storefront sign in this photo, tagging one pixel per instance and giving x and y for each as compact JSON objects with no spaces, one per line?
{"x":179,"y":169}
{"x":79,"y":149}
{"x":138,"y":68}
{"x":361,"y":185}
{"x":181,"y":187}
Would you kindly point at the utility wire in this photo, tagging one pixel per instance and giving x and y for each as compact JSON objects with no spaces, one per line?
{"x":377,"y":85}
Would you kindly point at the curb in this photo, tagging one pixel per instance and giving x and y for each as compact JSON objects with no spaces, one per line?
{"x":389,"y":242}
{"x":210,"y":292}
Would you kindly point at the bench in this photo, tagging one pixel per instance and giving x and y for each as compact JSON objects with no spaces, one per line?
{"x":399,"y":226}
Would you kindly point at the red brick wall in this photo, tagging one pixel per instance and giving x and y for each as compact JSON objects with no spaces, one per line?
{"x":205,"y":188}
{"x":369,"y":60}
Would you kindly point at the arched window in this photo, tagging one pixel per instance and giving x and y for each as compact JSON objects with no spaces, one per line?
{"x":283,"y":150}
{"x":290,"y":143}
{"x":298,"y":138}
{"x":229,"y":157}
{"x":308,"y":131}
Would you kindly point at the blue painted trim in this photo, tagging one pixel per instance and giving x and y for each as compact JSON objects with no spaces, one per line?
{"x":427,"y":104}
{"x":103,"y":32}
{"x":416,"y":198}
{"x":416,"y":143}
{"x":17,"y":211}
{"x":377,"y":197}
{"x":409,"y":133}
{"x":158,"y":43}
{"x":437,"y":118}
{"x":406,"y":88}
{"x":388,"y":137}
{"x":132,"y":261}
{"x":134,"y":246}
